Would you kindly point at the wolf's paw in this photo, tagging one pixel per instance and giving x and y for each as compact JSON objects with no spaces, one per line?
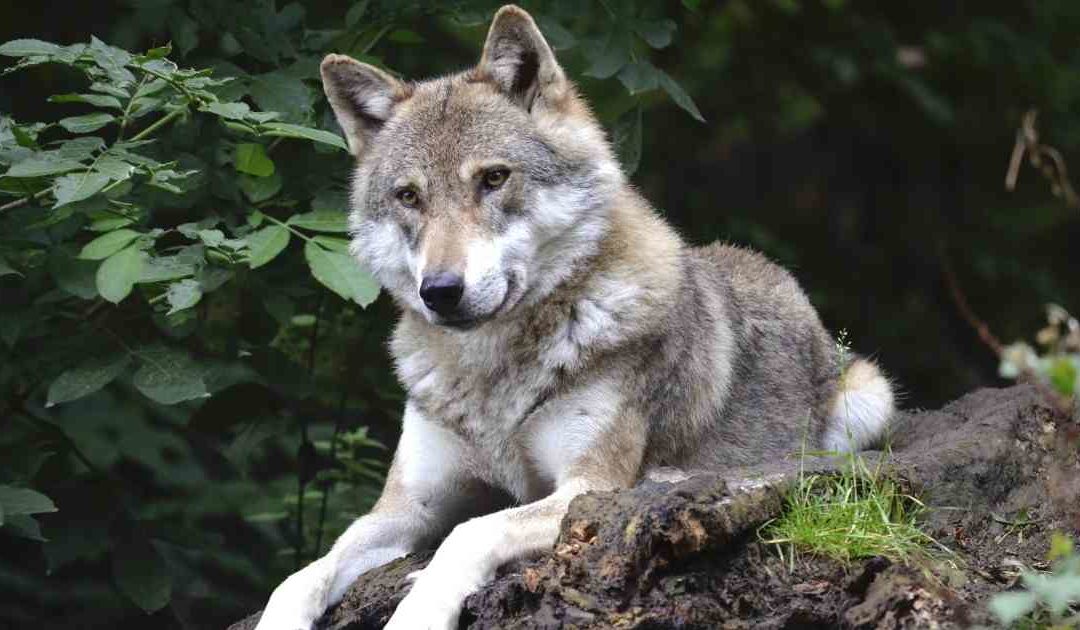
{"x":433,"y":603}
{"x":273,"y":622}
{"x":417,"y":612}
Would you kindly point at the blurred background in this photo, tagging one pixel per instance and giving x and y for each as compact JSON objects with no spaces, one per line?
{"x":863,"y":145}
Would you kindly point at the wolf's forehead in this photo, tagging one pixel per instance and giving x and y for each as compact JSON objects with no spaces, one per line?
{"x":454,"y":117}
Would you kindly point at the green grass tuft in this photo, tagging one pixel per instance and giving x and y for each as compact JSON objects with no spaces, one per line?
{"x":856,"y":513}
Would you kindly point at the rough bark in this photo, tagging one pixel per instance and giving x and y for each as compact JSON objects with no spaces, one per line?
{"x":686,"y":554}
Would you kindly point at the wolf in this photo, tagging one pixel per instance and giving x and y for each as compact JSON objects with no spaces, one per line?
{"x":556,"y":336}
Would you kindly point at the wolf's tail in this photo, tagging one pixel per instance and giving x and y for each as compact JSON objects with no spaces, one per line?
{"x":861,"y":409}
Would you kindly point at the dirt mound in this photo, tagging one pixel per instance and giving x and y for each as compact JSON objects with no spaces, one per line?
{"x":997,"y":468}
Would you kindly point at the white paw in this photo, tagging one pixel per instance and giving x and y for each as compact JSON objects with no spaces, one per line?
{"x":272,"y":622}
{"x":434,"y":603}
{"x":419,"y":613}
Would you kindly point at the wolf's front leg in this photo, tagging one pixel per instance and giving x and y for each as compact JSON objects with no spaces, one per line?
{"x":428,"y":490}
{"x":469,"y":556}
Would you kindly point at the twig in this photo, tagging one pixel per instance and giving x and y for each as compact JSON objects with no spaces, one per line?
{"x":960,"y":300}
{"x":988,"y":338}
{"x":25,"y":200}
{"x":301,"y":481}
{"x":338,"y":423}
{"x":1045,"y":158}
{"x":157,"y":124}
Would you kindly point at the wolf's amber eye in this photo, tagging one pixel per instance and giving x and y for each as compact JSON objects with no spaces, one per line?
{"x":495,"y":178}
{"x":408,"y":197}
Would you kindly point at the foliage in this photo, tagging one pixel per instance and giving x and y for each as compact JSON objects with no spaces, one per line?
{"x":191,"y":355}
{"x":1059,"y":363}
{"x":857,"y":513}
{"x":1050,"y":601}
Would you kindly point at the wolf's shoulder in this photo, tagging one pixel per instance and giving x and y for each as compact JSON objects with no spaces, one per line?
{"x":749,"y":274}
{"x":741,"y":264}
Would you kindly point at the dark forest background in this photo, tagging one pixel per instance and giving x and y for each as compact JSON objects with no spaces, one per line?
{"x":864,"y":145}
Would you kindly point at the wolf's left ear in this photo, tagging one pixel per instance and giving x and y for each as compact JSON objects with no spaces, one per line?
{"x":520,"y":62}
{"x":363,"y":98}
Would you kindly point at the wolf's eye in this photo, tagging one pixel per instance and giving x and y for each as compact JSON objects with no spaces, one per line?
{"x":495,"y":178}
{"x":408,"y":197}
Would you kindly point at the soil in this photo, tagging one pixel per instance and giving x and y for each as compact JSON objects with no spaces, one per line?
{"x":999,"y":471}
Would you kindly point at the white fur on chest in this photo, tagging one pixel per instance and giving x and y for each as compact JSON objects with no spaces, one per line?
{"x":563,"y":431}
{"x":524,"y":430}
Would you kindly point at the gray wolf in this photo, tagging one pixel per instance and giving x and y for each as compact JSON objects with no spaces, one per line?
{"x":556,"y":336}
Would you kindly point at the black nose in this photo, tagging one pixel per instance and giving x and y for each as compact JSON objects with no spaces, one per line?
{"x":441,"y":292}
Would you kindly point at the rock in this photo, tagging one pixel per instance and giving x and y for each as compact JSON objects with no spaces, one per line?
{"x":997,"y":470}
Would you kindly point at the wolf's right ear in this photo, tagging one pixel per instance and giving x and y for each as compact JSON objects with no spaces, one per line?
{"x":520,"y":62}
{"x":363,"y":97}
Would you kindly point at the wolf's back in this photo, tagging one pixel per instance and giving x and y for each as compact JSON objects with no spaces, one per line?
{"x":788,"y":381}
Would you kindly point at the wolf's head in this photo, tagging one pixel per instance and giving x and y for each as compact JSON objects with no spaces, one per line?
{"x":478,"y":192}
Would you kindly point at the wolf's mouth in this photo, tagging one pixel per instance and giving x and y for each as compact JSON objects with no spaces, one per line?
{"x":510,"y":300}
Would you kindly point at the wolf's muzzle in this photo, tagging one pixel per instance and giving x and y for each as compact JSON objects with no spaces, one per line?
{"x":441,"y":292}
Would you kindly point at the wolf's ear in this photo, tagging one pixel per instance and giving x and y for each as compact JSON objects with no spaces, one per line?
{"x":520,"y":62}
{"x":363,"y":97}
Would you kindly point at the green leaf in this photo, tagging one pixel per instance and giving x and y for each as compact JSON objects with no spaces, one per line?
{"x":342,"y":274}
{"x":559,"y":37}
{"x":656,"y":33}
{"x":639,"y":76}
{"x":28,"y":47}
{"x":1063,"y":375}
{"x":108,"y":244}
{"x":112,"y":60}
{"x":86,"y":378}
{"x":251,"y":158}
{"x":405,"y":36}
{"x":168,"y":376}
{"x":165,"y":268}
{"x":610,"y":58}
{"x":332,"y":243}
{"x":258,"y":189}
{"x":80,"y":148}
{"x":211,"y":238}
{"x":231,"y":111}
{"x":48,"y":163}
{"x":13,"y":323}
{"x":6,"y":269}
{"x":23,"y":526}
{"x":266,"y":244}
{"x":97,"y":100}
{"x":679,"y":95}
{"x":185,"y":32}
{"x":24,"y":501}
{"x":321,"y":221}
{"x":142,"y":575}
{"x":183,"y":295}
{"x":1061,"y":546}
{"x":331,"y":199}
{"x":107,"y":88}
{"x":74,"y":275}
{"x":87,"y":123}
{"x":113,"y":167}
{"x":286,"y":130}
{"x":1009,"y":607}
{"x":78,"y":186}
{"x":119,"y":273}
{"x":160,"y":52}
{"x":280,"y":92}
{"x":930,"y":100}
{"x":356,"y":12}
